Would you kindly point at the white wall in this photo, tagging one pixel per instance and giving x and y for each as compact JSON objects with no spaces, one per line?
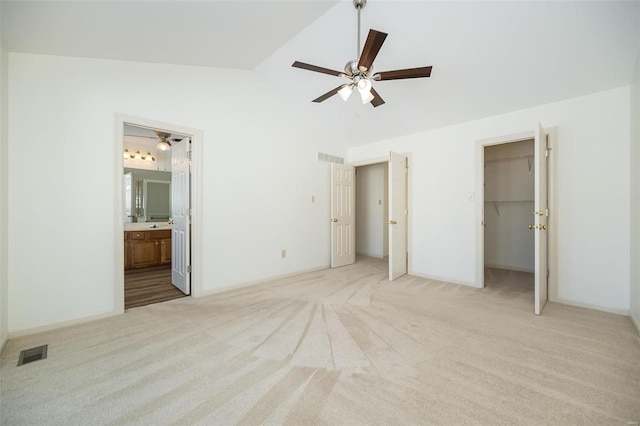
{"x":634,"y":293}
{"x":4,"y":205}
{"x":509,"y":201}
{"x":371,"y":205}
{"x":260,"y":172}
{"x":591,"y":186}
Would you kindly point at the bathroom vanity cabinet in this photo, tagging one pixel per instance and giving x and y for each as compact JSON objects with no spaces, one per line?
{"x":147,"y":248}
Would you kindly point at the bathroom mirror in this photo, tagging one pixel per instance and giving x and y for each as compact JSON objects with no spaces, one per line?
{"x":156,"y":200}
{"x":147,"y":195}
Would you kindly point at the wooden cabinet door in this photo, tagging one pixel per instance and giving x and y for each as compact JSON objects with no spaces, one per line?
{"x":144,"y":253}
{"x":165,"y":250}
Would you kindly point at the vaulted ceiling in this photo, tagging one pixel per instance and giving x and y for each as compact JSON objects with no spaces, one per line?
{"x":488,"y":58}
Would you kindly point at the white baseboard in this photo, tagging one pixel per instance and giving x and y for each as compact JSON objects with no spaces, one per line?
{"x":261,"y":281}
{"x":635,"y":322}
{"x":594,"y":307}
{"x":61,"y":324}
{"x":375,"y":256}
{"x":444,"y":280}
{"x":508,"y":268}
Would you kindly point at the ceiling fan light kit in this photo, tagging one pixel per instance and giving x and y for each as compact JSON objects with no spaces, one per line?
{"x":163,"y":144}
{"x":360,"y":71}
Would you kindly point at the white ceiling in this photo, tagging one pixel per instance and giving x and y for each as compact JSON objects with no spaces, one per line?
{"x":488,"y":57}
{"x":229,"y":34}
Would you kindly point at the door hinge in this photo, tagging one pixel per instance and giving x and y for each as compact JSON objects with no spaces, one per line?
{"x":188,"y":269}
{"x":547,"y":152}
{"x":189,"y":155}
{"x":546,"y":211}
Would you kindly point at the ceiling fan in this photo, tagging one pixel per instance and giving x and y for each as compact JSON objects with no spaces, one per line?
{"x":360,"y":71}
{"x":164,"y":143}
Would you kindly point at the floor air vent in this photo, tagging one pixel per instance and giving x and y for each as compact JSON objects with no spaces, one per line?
{"x":33,"y":354}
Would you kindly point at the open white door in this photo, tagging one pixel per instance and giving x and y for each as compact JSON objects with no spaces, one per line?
{"x":343,"y":203}
{"x":180,"y":245}
{"x":397,"y":215}
{"x":541,"y":214}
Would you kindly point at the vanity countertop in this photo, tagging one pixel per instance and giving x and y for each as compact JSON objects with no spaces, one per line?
{"x":146,"y":226}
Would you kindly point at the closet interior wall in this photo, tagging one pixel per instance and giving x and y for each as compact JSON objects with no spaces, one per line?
{"x":509,"y":204}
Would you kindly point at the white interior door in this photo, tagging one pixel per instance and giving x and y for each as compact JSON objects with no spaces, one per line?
{"x":180,"y":230}
{"x":343,"y":203}
{"x":397,"y":215}
{"x":540,"y":224}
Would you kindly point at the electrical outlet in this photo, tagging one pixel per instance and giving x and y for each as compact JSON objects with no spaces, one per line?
{"x":313,"y":198}
{"x":283,"y":254}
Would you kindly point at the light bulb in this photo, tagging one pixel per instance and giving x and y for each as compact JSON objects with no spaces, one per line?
{"x":345,"y":92}
{"x":364,"y":85}
{"x":126,"y":154}
{"x":366,"y":96}
{"x":138,"y":156}
{"x":149,"y":157}
{"x":162,"y":146}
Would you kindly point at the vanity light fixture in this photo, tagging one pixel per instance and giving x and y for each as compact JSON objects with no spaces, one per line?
{"x":137,"y":156}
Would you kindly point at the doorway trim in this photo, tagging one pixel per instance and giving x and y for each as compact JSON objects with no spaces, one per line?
{"x":553,"y":217}
{"x":118,"y":202}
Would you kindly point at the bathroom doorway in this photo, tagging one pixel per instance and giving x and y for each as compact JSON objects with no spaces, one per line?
{"x":150,"y":247}
{"x":158,"y":204}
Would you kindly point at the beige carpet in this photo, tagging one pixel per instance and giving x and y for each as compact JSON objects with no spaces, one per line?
{"x":343,"y":347}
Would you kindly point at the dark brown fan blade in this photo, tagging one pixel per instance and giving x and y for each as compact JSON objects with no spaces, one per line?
{"x":377,"y":100}
{"x":401,"y":74}
{"x":316,"y":68}
{"x":327,"y":95}
{"x":371,"y":48}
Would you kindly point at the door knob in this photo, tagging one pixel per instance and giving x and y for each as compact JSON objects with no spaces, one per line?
{"x":540,"y":213}
{"x":531,"y":226}
{"x":543,"y":227}
{"x":334,"y":220}
{"x":393,"y":222}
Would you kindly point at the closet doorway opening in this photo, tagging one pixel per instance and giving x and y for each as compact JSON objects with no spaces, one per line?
{"x":372,"y":211}
{"x":382,"y":193}
{"x":157,"y":216}
{"x":515,"y":224}
{"x":509,"y":258}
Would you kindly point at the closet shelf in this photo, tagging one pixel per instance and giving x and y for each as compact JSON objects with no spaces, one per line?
{"x":529,"y":159}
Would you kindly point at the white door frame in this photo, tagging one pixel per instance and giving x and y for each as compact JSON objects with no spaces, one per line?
{"x":380,"y":160}
{"x":196,"y":203}
{"x":553,"y":217}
